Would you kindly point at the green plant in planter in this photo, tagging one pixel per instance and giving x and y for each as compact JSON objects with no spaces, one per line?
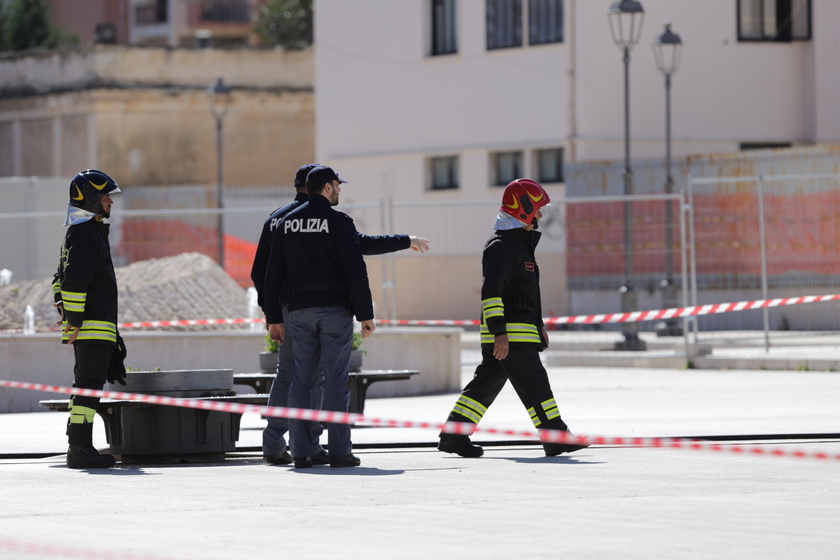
{"x":271,"y":346}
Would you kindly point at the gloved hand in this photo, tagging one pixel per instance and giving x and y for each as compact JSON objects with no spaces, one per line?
{"x":116,"y":369}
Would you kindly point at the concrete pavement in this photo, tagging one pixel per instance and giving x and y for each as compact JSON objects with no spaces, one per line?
{"x":600,"y":503}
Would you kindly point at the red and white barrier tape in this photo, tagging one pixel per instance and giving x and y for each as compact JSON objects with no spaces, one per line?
{"x":653,"y":315}
{"x":633,"y":317}
{"x":65,"y":551}
{"x":464,"y":428}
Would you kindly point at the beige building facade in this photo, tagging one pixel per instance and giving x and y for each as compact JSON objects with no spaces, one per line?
{"x":143,"y":115}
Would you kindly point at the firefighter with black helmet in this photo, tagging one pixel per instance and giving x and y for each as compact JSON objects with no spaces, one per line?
{"x":85,"y":293}
{"x":512,"y":329}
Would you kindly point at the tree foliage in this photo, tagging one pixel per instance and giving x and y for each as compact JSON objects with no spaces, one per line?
{"x":26,"y":24}
{"x":286,"y":23}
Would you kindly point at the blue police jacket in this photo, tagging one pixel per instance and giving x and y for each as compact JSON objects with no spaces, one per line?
{"x":369,"y":244}
{"x":316,"y":261}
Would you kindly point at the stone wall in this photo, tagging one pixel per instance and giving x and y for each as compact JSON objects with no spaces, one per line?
{"x":41,"y":358}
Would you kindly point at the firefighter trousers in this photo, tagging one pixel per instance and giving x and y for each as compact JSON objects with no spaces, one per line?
{"x":529,"y":379}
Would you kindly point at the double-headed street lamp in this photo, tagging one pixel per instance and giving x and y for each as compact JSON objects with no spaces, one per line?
{"x":667,"y":50}
{"x":626,"y":17}
{"x":219,"y":101}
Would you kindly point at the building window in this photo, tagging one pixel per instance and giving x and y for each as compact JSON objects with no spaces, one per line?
{"x":504,"y":24}
{"x":444,"y":27}
{"x":550,"y":165}
{"x":507,"y":166}
{"x":444,"y":172}
{"x":774,"y":20}
{"x":545,"y":21}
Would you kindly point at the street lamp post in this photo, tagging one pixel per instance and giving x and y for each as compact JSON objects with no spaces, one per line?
{"x":667,"y":50}
{"x":219,"y":101}
{"x":626,"y":17}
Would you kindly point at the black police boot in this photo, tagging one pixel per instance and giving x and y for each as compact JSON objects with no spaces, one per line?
{"x":82,"y":454}
{"x":463,"y":447}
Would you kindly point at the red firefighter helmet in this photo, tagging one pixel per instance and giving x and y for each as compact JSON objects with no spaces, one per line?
{"x":522,"y":199}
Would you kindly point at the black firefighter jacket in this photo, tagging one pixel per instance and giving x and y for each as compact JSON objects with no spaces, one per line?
{"x":510,"y":289}
{"x":85,"y":283}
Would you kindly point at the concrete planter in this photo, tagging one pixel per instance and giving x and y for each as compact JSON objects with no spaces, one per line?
{"x":149,"y":433}
{"x":356,"y":358}
{"x":179,"y":383}
{"x":268,"y":362}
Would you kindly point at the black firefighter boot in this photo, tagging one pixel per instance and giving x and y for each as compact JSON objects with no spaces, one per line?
{"x":82,"y":454}
{"x":553,"y":449}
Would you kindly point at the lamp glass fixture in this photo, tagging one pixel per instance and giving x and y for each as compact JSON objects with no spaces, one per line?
{"x":667,"y":51}
{"x":219,"y":97}
{"x":626,"y":17}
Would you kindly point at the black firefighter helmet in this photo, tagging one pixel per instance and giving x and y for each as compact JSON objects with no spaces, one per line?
{"x":87,"y":188}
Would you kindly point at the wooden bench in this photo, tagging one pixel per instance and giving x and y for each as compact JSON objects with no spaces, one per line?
{"x":358,"y":382}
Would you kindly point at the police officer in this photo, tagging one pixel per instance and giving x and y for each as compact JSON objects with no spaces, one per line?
{"x":317,"y":262}
{"x":512,"y":330}
{"x":274,"y":444}
{"x":85,"y":293}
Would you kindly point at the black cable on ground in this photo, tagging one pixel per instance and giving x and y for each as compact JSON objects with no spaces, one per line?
{"x":502,"y":443}
{"x":527,"y":442}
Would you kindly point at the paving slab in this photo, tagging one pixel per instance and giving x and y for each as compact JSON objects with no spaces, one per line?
{"x":600,"y":503}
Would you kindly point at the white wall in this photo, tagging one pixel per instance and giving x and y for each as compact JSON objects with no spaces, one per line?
{"x":826,"y":53}
{"x":380,"y":99}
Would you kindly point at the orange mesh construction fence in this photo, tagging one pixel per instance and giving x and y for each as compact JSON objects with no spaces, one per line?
{"x":150,"y":238}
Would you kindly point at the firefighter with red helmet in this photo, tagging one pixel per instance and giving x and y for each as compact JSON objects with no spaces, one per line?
{"x":512,"y":329}
{"x":85,"y":293}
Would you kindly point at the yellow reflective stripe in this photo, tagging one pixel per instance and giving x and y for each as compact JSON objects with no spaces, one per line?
{"x":472,"y":403}
{"x":467,"y":413}
{"x":522,"y":328}
{"x":486,"y":337}
{"x":523,"y":332}
{"x":101,"y":325}
{"x":516,"y":332}
{"x":73,"y":301}
{"x":550,"y":408}
{"x":97,"y":335}
{"x":94,"y":330}
{"x":491,"y":302}
{"x":534,"y":418}
{"x":56,"y":288}
{"x":81,"y":414}
{"x":492,"y":307}
{"x":469,"y":408}
{"x":514,"y":337}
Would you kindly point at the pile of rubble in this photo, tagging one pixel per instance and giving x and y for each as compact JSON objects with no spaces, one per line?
{"x":186,"y":286}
